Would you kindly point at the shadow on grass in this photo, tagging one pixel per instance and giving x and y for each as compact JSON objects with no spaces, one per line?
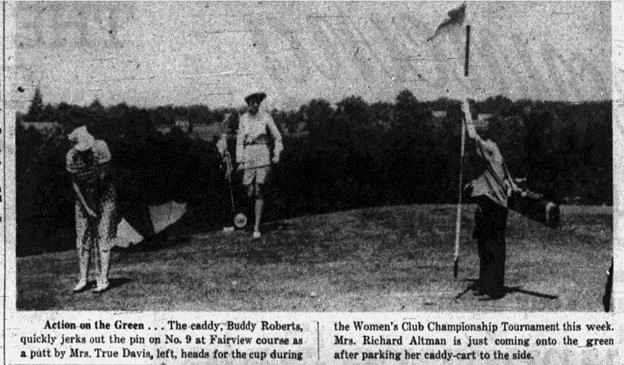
{"x":276,"y":226}
{"x":517,"y":289}
{"x":114,"y":283}
{"x":507,"y":290}
{"x":160,"y":241}
{"x":117,"y":282}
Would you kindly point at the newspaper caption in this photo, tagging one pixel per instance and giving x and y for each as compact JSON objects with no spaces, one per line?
{"x":204,"y":339}
{"x":437,"y":340}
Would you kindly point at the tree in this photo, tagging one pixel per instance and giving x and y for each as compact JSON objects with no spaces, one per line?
{"x":542,"y":158}
{"x":498,"y":104}
{"x":316,"y":115}
{"x":96,"y":106}
{"x":412,"y":161}
{"x":35,"y":111}
{"x":409,"y":112}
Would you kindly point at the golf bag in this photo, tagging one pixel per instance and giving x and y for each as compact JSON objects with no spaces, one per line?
{"x":535,"y":207}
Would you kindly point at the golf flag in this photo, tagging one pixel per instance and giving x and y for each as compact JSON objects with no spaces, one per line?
{"x":455,"y":18}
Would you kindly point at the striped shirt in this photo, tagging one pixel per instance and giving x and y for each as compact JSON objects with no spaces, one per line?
{"x":85,"y":167}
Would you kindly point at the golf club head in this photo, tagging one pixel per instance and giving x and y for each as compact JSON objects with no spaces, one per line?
{"x":240,"y":220}
{"x":456,"y":268}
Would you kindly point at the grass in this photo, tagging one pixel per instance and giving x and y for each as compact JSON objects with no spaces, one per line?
{"x":379,"y":259}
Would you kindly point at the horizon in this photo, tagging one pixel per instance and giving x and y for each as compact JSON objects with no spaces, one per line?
{"x":332,"y":104}
{"x":181,"y":54}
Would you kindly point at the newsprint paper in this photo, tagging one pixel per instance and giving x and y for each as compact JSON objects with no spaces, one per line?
{"x":312,"y":182}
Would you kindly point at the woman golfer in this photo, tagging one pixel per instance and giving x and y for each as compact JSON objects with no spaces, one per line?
{"x":252,"y":151}
{"x":490,"y":189}
{"x":96,"y":198}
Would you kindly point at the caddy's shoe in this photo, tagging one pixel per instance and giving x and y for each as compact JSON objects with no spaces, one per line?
{"x":228,"y":229}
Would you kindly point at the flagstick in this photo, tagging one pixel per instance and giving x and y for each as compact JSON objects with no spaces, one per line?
{"x":467,"y":58}
{"x":461,"y":166}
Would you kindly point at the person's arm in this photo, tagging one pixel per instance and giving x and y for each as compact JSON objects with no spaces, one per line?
{"x":69,"y":161}
{"x":103,"y":157}
{"x":277,"y":138}
{"x":82,"y":200}
{"x":222,"y":145}
{"x":71,"y":168}
{"x":470,"y":125}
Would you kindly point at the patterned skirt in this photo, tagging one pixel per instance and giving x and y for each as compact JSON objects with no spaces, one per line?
{"x":98,"y":232}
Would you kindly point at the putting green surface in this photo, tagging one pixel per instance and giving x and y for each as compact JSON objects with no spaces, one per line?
{"x":397,"y":258}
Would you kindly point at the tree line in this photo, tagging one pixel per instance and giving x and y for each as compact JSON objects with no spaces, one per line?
{"x":347,"y":155}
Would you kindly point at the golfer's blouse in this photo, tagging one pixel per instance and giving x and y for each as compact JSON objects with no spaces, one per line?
{"x":493,"y":181}
{"x":88,"y":172}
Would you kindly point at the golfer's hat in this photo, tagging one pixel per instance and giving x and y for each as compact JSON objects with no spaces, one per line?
{"x":255,"y":97}
{"x":84,"y":140}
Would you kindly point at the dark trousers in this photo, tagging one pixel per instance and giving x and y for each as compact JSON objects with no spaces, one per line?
{"x":490,"y":225}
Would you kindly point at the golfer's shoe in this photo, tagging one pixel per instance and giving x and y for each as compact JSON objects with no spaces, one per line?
{"x":256,"y":235}
{"x":496,"y":294}
{"x":101,"y":287}
{"x":228,"y":229}
{"x":82,"y":285}
{"x":477,"y":289}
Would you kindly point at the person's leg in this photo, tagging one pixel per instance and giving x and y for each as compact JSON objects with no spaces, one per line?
{"x":483,"y":234}
{"x":83,"y":262}
{"x":102,"y":281}
{"x":82,"y":248}
{"x":488,"y":280}
{"x":259,"y":186}
{"x":258,"y":212}
{"x":249,"y":178}
{"x":251,"y":181}
{"x":495,"y":251}
{"x":499,"y":252}
{"x":106,"y":233}
{"x":479,"y":235}
{"x":253,"y":192}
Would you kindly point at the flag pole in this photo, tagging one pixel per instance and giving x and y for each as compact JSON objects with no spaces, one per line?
{"x":467,"y":56}
{"x":461,"y":165}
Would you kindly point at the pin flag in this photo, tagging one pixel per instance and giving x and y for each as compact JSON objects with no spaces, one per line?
{"x":455,"y":18}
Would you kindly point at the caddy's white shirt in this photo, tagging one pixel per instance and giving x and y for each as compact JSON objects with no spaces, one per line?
{"x":251,"y":142}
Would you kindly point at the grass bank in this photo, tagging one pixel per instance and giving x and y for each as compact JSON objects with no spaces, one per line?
{"x":380,"y":259}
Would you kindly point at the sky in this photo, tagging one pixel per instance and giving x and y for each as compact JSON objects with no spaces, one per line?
{"x":214,"y":53}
